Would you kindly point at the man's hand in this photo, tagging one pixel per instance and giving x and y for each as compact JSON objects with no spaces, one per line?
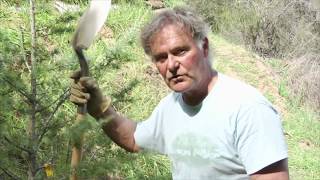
{"x":86,"y":90}
{"x":119,"y":129}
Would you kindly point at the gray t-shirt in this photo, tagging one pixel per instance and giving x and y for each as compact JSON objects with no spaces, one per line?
{"x":233,"y":133}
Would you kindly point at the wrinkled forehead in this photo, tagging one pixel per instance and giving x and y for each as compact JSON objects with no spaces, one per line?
{"x":170,"y":32}
{"x":180,"y":29}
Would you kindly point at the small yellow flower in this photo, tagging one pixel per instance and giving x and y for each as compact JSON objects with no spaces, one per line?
{"x":48,"y":169}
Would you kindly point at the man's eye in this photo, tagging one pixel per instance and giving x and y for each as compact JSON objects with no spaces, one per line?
{"x":160,"y":58}
{"x":182,"y":52}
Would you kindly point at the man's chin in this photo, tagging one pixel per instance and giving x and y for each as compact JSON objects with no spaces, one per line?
{"x":179,"y":87}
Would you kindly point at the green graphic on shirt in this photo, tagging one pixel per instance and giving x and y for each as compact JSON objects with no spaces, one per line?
{"x":194,"y":150}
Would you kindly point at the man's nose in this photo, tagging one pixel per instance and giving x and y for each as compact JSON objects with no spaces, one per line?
{"x":173,"y":63}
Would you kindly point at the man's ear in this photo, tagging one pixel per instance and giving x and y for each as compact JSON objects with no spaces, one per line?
{"x":205,"y":46}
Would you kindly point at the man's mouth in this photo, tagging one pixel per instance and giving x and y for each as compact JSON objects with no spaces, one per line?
{"x":176,"y":78}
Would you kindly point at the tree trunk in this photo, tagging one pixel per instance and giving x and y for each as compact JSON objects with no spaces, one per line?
{"x":32,"y":122}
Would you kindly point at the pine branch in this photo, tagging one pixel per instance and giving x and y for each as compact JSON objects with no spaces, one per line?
{"x":9,"y":173}
{"x":16,"y":145}
{"x":47,"y":123}
{"x":5,"y":93}
{"x":24,"y":56}
{"x":54,"y":102}
{"x":19,"y":90}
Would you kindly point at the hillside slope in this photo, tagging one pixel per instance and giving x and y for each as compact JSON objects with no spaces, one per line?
{"x":128,"y":76}
{"x":301,"y":126}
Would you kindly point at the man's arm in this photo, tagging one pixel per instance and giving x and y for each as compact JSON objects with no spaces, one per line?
{"x":85,"y":90}
{"x":275,"y":171}
{"x":120,"y":129}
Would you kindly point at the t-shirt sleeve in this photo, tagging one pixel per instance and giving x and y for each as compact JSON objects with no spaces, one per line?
{"x":259,"y":137}
{"x":149,"y":134}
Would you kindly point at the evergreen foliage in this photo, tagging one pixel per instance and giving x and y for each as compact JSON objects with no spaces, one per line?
{"x":123,"y":72}
{"x":55,"y":116}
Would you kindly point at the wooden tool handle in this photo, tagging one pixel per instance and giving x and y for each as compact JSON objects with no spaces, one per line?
{"x":81,"y":114}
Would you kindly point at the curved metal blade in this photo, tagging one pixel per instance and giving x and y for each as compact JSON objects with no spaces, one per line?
{"x":90,"y":23}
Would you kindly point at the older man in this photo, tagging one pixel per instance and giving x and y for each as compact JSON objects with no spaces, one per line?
{"x":211,"y":126}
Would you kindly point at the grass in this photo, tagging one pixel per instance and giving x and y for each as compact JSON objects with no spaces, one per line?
{"x":301,"y":125}
{"x":119,"y":66}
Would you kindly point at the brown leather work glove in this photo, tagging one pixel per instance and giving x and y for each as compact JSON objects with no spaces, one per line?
{"x":86,"y":90}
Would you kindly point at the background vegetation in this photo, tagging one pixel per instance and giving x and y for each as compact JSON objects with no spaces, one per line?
{"x":284,"y":36}
{"x":288,"y":29}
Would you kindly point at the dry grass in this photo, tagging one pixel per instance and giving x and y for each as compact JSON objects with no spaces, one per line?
{"x":304,"y":79}
{"x":237,"y":62}
{"x":286,"y":29}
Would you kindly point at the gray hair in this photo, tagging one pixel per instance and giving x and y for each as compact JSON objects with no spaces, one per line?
{"x":185,"y":17}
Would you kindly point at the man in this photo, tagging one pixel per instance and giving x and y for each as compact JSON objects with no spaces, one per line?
{"x":211,"y":126}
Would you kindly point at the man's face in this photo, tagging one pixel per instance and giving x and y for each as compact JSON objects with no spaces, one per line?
{"x":178,"y":58}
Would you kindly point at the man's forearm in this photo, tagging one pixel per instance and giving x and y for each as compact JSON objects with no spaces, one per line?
{"x":275,"y":171}
{"x":120,"y":130}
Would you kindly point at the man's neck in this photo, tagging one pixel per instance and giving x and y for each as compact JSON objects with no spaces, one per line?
{"x":195,"y":97}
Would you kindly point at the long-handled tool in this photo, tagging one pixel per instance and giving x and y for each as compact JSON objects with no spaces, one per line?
{"x":89,"y":25}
